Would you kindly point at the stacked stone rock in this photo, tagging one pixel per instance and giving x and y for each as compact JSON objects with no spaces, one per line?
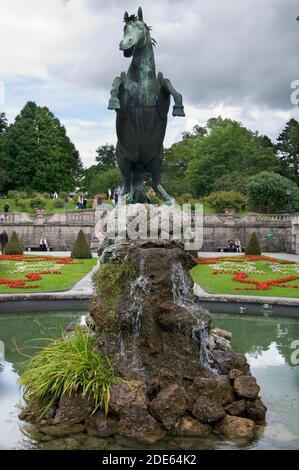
{"x":164,"y":388}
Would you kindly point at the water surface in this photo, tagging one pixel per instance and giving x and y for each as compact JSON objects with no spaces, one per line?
{"x":265,"y":341}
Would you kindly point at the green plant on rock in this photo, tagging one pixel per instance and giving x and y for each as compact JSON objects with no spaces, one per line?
{"x":81,"y":249}
{"x":13,"y":247}
{"x":253,"y":246}
{"x":66,"y":365}
{"x":110,"y":280}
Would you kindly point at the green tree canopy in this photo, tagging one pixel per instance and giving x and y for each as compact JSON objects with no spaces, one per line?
{"x":288,"y":150}
{"x":106,"y":157}
{"x":37,"y":154}
{"x":227,"y":147}
{"x":270,"y":192}
{"x":3,"y":123}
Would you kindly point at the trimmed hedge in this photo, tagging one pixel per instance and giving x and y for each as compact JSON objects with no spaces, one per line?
{"x":253,"y":246}
{"x":13,"y":247}
{"x":81,"y":248}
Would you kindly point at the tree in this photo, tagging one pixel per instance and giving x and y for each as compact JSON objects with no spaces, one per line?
{"x":96,"y":181}
{"x":176,"y":159}
{"x":3,"y":127}
{"x":288,"y":150}
{"x":3,"y":123}
{"x":37,"y":154}
{"x":81,"y":248}
{"x":13,"y":247}
{"x":227,"y":147}
{"x":253,"y":246}
{"x":269,"y":192}
{"x":106,"y":157}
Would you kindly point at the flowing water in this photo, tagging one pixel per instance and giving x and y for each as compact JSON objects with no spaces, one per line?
{"x":267,"y":342}
{"x":183,"y":296}
{"x":138,"y":290}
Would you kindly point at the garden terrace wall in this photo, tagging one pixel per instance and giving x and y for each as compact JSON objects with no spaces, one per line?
{"x":61,"y":229}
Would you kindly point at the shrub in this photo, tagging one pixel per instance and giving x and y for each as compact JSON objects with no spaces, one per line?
{"x":22,"y":203}
{"x":89,"y":203}
{"x":225,"y":200}
{"x":13,"y":194}
{"x":13,"y":247}
{"x":155,"y":200}
{"x":46,"y":195}
{"x":186,"y":197}
{"x":58,"y":203}
{"x":35,"y":194}
{"x":253,"y":246}
{"x":22,"y":195}
{"x":38,"y":203}
{"x":62,"y":195}
{"x":269,"y":192}
{"x":65,"y":366}
{"x":81,"y":248}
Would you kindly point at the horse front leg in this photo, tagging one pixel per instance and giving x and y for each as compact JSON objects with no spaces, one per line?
{"x":125,"y":167}
{"x":114,"y":102}
{"x":178,"y":108}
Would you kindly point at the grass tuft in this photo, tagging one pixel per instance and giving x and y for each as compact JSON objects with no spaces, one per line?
{"x":66,"y":365}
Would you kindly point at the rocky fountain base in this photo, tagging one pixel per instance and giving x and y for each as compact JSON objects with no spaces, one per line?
{"x":176,"y":375}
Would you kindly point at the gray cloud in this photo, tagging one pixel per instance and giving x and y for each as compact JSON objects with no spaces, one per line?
{"x":236,"y":53}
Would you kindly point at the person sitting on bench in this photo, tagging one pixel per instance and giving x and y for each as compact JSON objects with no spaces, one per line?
{"x":43,"y":244}
{"x":231,"y":245}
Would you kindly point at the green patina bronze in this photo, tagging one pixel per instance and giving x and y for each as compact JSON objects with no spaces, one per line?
{"x":141,"y":101}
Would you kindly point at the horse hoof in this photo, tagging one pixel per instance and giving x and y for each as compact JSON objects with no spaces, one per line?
{"x":114,"y":103}
{"x":178,"y":111}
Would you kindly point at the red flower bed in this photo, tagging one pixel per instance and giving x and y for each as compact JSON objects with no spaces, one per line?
{"x":264,"y":285}
{"x":244,"y":259}
{"x":17,"y":284}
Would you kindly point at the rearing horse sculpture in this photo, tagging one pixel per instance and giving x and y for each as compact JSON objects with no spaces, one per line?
{"x":141,"y":100}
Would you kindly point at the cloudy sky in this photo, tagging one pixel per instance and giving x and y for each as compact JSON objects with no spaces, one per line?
{"x":236,"y":58}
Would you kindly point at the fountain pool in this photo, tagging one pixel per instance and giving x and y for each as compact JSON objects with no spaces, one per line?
{"x":267,"y":342}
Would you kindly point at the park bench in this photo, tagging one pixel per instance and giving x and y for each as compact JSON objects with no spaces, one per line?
{"x":37,"y":248}
{"x":226,"y":249}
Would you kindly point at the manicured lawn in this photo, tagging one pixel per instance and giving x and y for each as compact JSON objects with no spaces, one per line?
{"x":248,"y":276}
{"x":13,"y":207}
{"x":64,"y":278}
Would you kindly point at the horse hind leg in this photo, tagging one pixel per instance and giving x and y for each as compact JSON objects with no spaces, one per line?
{"x":155,"y":168}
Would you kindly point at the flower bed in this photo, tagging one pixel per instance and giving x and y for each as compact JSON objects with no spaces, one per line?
{"x":30,"y":272}
{"x":248,"y":273}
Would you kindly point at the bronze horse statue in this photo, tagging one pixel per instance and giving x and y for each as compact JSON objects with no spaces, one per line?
{"x":141,"y":101}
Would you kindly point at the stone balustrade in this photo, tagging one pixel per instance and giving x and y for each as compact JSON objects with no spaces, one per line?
{"x":61,"y":229}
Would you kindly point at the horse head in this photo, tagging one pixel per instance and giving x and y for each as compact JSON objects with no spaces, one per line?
{"x":136,"y":33}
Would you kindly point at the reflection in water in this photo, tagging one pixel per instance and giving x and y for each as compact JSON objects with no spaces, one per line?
{"x":265,"y":341}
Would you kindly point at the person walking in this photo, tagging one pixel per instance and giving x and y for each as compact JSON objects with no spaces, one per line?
{"x":6,"y":208}
{"x":66,"y":200}
{"x":3,"y":240}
